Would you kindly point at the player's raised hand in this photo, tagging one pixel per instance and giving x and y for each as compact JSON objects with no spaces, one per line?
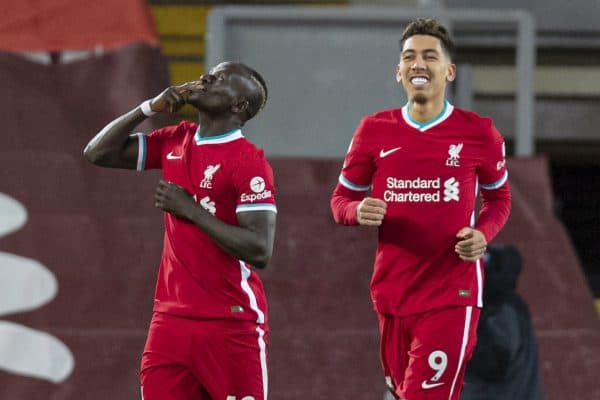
{"x":471,"y":244}
{"x":371,"y":211}
{"x":173,"y":199}
{"x":172,"y":99}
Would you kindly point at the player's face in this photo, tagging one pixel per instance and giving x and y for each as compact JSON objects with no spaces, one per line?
{"x":424,"y":69}
{"x":222,"y":90}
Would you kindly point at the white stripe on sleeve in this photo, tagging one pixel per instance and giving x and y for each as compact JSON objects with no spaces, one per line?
{"x":141,"y":162}
{"x":352,"y":186}
{"x":496,"y":184}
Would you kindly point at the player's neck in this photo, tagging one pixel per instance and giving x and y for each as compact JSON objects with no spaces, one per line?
{"x":425,"y":112}
{"x":214,"y":127}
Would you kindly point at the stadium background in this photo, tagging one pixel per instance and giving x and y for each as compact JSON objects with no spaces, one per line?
{"x":73,"y":324}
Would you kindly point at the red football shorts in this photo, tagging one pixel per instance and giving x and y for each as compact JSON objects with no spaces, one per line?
{"x":424,"y":355}
{"x":187,"y":359}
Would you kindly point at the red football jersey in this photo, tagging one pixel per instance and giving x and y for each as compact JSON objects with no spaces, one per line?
{"x":227,"y":175}
{"x":429,"y":175}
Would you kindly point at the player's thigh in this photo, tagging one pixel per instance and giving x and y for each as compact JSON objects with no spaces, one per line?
{"x":170,"y":382}
{"x":443,"y":341}
{"x":394,"y":348}
{"x":164,"y":373}
{"x":237,"y":366}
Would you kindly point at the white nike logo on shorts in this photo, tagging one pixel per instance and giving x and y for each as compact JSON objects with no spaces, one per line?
{"x":426,"y":385}
{"x":383,"y":153}
{"x":171,"y":156}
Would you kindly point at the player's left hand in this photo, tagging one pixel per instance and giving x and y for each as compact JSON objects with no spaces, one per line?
{"x":471,"y":244}
{"x":173,"y":199}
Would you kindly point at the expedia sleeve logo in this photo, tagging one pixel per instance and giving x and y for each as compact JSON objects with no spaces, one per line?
{"x":257,"y":186}
{"x":501,"y":164}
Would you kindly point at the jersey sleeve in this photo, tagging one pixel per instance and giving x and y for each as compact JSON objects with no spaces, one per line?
{"x":358,"y":167}
{"x":254,"y":184}
{"x":495,"y":189}
{"x":492,"y":171}
{"x":355,"y":178}
{"x":150,"y":148}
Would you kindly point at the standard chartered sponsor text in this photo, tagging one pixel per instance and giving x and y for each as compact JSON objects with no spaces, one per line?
{"x":420,"y":190}
{"x":410,"y":197}
{"x":417,"y":183}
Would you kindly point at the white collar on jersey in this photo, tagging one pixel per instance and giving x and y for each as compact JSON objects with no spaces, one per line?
{"x":423,"y":126}
{"x":226,"y":137}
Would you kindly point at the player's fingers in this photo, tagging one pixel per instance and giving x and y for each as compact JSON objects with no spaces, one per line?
{"x":471,"y":254}
{"x":373,"y":210}
{"x":373,"y":202}
{"x":159,"y":197}
{"x":474,"y":240}
{"x":465,"y":233}
{"x":371,"y":216}
{"x":176,"y":94}
{"x":368,"y":222}
{"x":177,"y":98}
{"x":183,"y":87}
{"x":165,"y":184}
{"x":169,"y":96}
{"x":175,"y":187}
{"x":471,"y":247}
{"x":161,"y":189}
{"x":172,"y":99}
{"x":184,"y":90}
{"x":467,"y":243}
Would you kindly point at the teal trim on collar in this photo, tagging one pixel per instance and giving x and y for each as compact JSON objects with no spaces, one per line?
{"x":432,"y":121}
{"x":222,"y":138}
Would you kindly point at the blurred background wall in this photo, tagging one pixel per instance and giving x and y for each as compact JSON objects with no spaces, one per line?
{"x":79,"y":245}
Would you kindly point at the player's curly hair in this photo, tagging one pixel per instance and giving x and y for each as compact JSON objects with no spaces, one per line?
{"x":431,"y":27}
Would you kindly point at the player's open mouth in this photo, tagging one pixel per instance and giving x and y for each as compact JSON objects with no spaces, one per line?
{"x":419,"y":80}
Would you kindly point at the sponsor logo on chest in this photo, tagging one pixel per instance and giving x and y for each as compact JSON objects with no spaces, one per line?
{"x":421,"y":190}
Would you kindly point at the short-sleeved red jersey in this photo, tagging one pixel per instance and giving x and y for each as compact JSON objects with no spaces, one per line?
{"x":429,"y":176}
{"x":227,"y":175}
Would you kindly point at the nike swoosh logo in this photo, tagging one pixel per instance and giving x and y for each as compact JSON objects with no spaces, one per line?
{"x":171,"y":156}
{"x":426,"y":385}
{"x":383,"y":153}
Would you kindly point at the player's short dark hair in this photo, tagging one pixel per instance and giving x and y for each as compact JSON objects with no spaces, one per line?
{"x":258,"y":98}
{"x":431,"y":27}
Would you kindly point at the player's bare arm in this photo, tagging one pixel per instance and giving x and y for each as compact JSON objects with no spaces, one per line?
{"x":471,"y":244}
{"x":371,"y":211}
{"x":115,"y":147}
{"x":252,"y":241}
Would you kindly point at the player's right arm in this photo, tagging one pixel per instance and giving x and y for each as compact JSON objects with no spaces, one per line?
{"x":348,"y":202}
{"x":115,"y":146}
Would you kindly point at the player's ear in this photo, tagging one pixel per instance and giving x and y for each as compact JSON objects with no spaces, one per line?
{"x":240,"y":106}
{"x":451,"y":74}
{"x":398,"y":76}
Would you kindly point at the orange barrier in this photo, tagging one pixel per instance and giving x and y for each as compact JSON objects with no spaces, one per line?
{"x":41,"y":25}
